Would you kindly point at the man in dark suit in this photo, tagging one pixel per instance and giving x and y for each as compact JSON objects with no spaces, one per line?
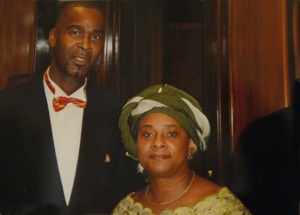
{"x":60,"y":150}
{"x":270,"y":162}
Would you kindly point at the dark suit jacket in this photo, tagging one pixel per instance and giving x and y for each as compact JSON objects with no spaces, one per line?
{"x":269,"y":162}
{"x":30,"y":181}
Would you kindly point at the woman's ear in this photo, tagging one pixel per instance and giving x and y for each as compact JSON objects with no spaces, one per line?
{"x":52,"y":37}
{"x":192,"y":147}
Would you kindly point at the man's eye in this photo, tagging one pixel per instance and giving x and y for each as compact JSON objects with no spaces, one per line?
{"x":97,"y":37}
{"x":75,"y":33}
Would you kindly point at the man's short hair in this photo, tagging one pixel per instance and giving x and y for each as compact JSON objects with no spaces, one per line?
{"x":62,"y":8}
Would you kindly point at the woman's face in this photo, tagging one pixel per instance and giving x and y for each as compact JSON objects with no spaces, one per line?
{"x":163,"y":146}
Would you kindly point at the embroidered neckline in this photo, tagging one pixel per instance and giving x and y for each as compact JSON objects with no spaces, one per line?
{"x":222,"y":189}
{"x":168,"y":202}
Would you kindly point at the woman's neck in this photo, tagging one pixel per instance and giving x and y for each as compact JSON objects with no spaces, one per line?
{"x":168,"y":189}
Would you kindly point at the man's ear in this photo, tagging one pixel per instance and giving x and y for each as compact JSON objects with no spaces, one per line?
{"x":52,"y":37}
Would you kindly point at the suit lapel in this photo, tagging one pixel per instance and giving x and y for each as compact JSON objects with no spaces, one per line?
{"x":39,"y":146}
{"x":91,"y":167}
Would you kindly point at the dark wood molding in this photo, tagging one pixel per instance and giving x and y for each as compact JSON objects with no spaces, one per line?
{"x":186,"y":26}
{"x":217,"y":89}
{"x":109,"y":73}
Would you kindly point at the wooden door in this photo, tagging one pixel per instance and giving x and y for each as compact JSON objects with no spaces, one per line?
{"x":17,"y":38}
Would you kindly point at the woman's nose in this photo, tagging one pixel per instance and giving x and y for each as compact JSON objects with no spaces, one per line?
{"x":159,"y":142}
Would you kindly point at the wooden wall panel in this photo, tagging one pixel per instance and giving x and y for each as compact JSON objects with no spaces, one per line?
{"x":258,"y":61}
{"x":108,"y":73}
{"x":217,"y":91}
{"x":247,"y":71}
{"x":128,"y":50}
{"x":293,"y":39}
{"x":156,"y":30}
{"x":186,"y":61}
{"x":17,"y":36}
{"x":140,"y":46}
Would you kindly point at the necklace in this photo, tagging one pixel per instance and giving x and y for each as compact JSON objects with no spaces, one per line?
{"x":164,"y":203}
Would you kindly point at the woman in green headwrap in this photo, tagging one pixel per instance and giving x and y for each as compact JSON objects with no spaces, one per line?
{"x":162,"y":127}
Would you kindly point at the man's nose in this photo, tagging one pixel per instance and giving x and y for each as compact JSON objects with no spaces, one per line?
{"x":85,"y":43}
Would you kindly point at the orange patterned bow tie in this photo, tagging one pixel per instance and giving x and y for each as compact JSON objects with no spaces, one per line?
{"x":60,"y":102}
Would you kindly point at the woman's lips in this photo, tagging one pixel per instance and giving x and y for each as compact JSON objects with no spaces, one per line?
{"x":159,"y":156}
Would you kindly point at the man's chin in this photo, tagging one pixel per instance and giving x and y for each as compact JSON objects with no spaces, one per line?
{"x":79,"y":72}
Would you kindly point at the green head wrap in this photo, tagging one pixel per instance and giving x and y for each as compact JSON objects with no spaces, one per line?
{"x":168,"y":100}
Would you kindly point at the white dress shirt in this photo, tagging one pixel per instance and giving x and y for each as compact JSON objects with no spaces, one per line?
{"x":66,"y":131}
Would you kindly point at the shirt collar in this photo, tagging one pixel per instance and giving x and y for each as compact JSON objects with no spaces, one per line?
{"x":79,"y":94}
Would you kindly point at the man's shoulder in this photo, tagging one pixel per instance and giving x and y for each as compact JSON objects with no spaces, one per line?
{"x":272,"y":129}
{"x":21,"y":92}
{"x":23,"y":87}
{"x":282,"y":117}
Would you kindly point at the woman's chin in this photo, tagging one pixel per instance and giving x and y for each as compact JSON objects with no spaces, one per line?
{"x":158,"y":171}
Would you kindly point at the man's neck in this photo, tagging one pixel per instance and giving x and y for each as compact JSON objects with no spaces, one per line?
{"x":68,"y":84}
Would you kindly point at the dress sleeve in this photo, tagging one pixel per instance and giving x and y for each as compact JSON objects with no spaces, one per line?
{"x":224,"y":202}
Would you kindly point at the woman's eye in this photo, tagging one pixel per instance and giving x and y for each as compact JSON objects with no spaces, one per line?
{"x":147,"y":135}
{"x":172,"y":134}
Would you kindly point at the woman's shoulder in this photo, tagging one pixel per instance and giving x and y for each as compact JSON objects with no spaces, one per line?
{"x":209,"y":196}
{"x":203,"y":188}
{"x":222,"y":202}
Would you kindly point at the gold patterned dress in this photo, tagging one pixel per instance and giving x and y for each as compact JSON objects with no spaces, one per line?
{"x":223,"y":203}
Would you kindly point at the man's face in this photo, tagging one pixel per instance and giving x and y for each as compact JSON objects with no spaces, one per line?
{"x":77,"y":41}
